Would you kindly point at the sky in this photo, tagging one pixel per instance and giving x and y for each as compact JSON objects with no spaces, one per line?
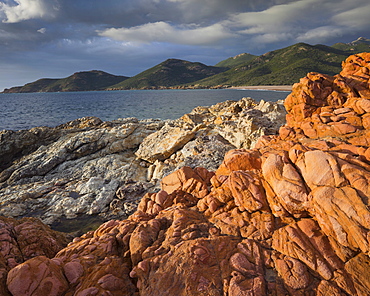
{"x":56,"y":38}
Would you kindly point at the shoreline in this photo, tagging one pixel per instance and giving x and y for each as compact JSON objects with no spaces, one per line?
{"x":248,"y":87}
{"x":265,"y":87}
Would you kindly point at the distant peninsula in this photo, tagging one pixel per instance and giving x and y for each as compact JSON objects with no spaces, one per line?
{"x":79,"y":81}
{"x":280,"y":67}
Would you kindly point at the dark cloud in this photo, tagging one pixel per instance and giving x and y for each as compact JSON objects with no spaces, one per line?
{"x":127,"y":13}
{"x":54,"y":38}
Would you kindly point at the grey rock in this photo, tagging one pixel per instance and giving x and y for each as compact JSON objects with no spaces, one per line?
{"x":214,"y":130}
{"x":76,"y":174}
{"x":171,"y":138}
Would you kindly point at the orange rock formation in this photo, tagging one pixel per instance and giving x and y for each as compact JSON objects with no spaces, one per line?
{"x":290,"y":217}
{"x":24,"y":239}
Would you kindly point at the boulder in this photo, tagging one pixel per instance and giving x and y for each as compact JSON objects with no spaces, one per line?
{"x":172,"y":138}
{"x":38,"y":276}
{"x":24,"y":239}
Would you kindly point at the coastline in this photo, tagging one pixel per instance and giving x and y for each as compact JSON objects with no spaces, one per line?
{"x":265,"y":87}
{"x":247,"y":87}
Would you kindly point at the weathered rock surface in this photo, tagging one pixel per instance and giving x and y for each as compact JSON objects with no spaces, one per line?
{"x":202,"y":137}
{"x":24,"y":239}
{"x":89,"y":167}
{"x":289,"y":217}
{"x":76,"y":173}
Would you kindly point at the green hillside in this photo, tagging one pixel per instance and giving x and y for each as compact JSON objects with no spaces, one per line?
{"x":35,"y":86}
{"x":281,"y":67}
{"x":236,"y":61}
{"x":169,"y":73}
{"x":80,"y":81}
{"x":360,"y":45}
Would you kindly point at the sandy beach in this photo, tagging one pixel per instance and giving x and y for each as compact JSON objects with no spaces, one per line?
{"x":266,"y":87}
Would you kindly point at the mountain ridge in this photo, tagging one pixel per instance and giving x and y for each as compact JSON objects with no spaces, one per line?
{"x":236,"y":60}
{"x":169,"y":73}
{"x":79,"y":81}
{"x":283,"y":66}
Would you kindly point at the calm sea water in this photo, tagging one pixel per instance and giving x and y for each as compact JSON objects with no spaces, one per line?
{"x":24,"y":111}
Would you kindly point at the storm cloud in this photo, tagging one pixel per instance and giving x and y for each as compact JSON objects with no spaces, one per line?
{"x":55,"y":38}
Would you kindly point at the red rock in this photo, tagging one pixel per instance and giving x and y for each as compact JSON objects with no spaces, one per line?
{"x":247,"y":191}
{"x":24,"y":239}
{"x":342,"y":110}
{"x":366,"y":121}
{"x":367,"y":154}
{"x":188,"y":180}
{"x":286,"y":182}
{"x":109,"y":277}
{"x":294,"y":272}
{"x":303,"y":241}
{"x":340,"y":128}
{"x":309,"y":129}
{"x":37,"y":276}
{"x":285,"y":132}
{"x":342,"y":215}
{"x":353,"y":120}
{"x":239,"y":160}
{"x":358,"y":266}
{"x":319,"y":169}
{"x":73,"y":271}
{"x":328,"y":288}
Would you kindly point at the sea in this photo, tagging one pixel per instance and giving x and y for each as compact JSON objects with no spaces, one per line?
{"x":28,"y":110}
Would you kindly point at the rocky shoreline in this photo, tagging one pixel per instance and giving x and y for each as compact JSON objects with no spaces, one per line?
{"x":289,"y":216}
{"x":87,"y":167}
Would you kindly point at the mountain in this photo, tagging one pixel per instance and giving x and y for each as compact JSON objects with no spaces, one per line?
{"x":281,"y":67}
{"x":79,"y":81}
{"x":169,"y":73}
{"x":36,"y":86}
{"x":236,"y":61}
{"x":360,"y":45}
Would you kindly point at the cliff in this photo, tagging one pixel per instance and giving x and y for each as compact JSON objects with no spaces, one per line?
{"x":288,"y":217}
